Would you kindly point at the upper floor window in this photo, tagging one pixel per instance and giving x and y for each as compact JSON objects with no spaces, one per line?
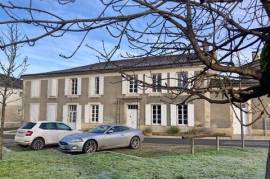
{"x":156,"y":82}
{"x":97,"y":81}
{"x":133,"y":84}
{"x":182,"y":114}
{"x":52,"y":87}
{"x":35,"y":88}
{"x":182,"y":79}
{"x":156,"y":114}
{"x":74,"y":86}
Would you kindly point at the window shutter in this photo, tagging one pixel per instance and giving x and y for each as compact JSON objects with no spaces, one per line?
{"x":124,"y":85}
{"x":164,"y":82}
{"x":34,"y":112}
{"x":49,"y":87}
{"x":148,"y":80}
{"x":87,"y":113}
{"x":92,"y":85}
{"x":173,"y":79}
{"x":65,"y":113}
{"x":173,"y":115}
{"x":140,"y":85}
{"x":79,"y":117}
{"x":35,"y":88}
{"x":191,"y":115}
{"x":67,"y":87}
{"x":101,"y":85}
{"x":101,"y":111}
{"x":164,"y":114}
{"x":148,"y":114}
{"x":79,"y":86}
{"x":190,"y":76}
{"x":52,"y":87}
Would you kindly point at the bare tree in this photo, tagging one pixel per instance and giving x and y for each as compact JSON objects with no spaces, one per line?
{"x":11,"y":68}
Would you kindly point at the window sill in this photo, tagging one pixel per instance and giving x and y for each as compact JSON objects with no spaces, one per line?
{"x":155,"y":94}
{"x":132,"y":94}
{"x":73,"y":96}
{"x":35,"y":97}
{"x":52,"y":97}
{"x":95,"y":96}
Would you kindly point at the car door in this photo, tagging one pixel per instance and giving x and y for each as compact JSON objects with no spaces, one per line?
{"x":49,"y":132}
{"x":115,"y":137}
{"x":63,"y":130}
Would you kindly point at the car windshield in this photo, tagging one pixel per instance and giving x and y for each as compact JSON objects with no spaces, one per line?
{"x":28,"y":125}
{"x":100,"y":129}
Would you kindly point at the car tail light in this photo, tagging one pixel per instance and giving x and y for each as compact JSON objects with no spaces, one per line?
{"x":28,"y":133}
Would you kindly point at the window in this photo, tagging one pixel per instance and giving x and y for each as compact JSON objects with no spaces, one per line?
{"x":48,"y":126}
{"x":156,"y":82}
{"x":52,"y":87}
{"x":72,"y":113}
{"x":182,"y":114}
{"x":119,"y":128}
{"x":182,"y":79}
{"x":156,"y":114}
{"x":133,"y":84}
{"x":61,"y":126}
{"x":97,"y":85}
{"x":95,"y":113}
{"x":74,"y":86}
{"x":100,"y":129}
{"x":35,"y":88}
{"x":28,"y":125}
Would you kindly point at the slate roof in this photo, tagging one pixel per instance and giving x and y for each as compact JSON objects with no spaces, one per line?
{"x":145,"y":63}
{"x":13,"y":82}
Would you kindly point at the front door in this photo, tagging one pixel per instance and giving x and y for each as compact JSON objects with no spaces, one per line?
{"x":72,"y":116}
{"x":236,"y":123}
{"x":132,"y":115}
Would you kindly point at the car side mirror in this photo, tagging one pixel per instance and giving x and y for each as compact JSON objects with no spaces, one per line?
{"x":109,"y":131}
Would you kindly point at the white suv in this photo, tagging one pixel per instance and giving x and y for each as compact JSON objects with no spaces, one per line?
{"x":41,"y":133}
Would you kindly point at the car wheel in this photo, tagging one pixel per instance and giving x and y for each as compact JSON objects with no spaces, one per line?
{"x":135,"y":143}
{"x":90,"y":146}
{"x":38,"y":144}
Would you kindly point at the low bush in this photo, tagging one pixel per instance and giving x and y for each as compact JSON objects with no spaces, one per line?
{"x":173,"y":130}
{"x":148,"y":131}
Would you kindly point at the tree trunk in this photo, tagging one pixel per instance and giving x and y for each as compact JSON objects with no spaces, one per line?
{"x":3,"y":113}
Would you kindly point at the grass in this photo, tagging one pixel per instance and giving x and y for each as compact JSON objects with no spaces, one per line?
{"x":152,"y":161}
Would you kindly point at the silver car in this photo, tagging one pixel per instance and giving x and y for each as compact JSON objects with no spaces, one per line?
{"x":102,"y":137}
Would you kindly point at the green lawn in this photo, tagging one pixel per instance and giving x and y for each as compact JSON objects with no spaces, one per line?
{"x":149,"y":162}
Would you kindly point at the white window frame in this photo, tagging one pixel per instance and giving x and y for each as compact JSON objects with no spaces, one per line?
{"x":156,"y":82}
{"x":73,"y":86}
{"x":182,"y":115}
{"x":156,"y":114}
{"x":72,"y":114}
{"x":133,"y":85}
{"x":182,"y":79}
{"x":95,"y":113}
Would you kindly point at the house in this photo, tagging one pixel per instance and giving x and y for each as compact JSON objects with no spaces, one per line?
{"x":14,"y":110}
{"x":87,"y":96}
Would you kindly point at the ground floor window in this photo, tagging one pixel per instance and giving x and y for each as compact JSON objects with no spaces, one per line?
{"x":95,"y":113}
{"x":182,"y":114}
{"x":72,"y":113}
{"x":156,"y":114}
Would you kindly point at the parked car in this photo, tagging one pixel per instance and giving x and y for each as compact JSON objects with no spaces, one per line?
{"x":102,"y":137}
{"x":41,"y":133}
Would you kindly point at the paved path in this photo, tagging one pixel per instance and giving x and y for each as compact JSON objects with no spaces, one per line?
{"x":223,"y":142}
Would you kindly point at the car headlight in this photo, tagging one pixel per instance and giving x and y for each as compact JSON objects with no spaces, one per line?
{"x":77,"y":140}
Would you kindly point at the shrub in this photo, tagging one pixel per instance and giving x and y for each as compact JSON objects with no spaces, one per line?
{"x":173,"y":130}
{"x":148,"y":130}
